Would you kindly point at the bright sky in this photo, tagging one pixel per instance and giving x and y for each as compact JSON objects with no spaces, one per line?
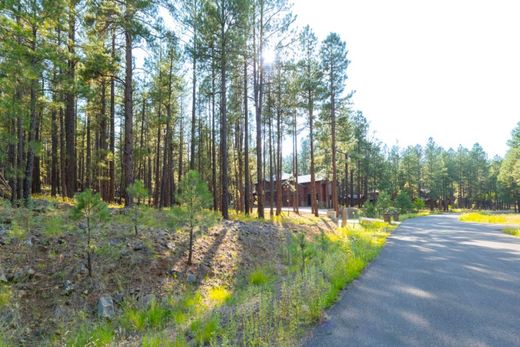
{"x":449,"y":69}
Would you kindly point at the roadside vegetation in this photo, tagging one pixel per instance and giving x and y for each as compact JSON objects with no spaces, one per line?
{"x":512,"y":219}
{"x":265,"y":283}
{"x":492,"y":218}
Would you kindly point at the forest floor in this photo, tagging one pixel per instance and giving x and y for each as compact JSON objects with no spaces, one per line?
{"x":251,"y":282}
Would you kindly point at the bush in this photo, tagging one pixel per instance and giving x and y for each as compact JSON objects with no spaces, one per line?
{"x":383,"y":202}
{"x":403,"y":202}
{"x":259,"y":277}
{"x":418,"y":204}
{"x":370,"y":210}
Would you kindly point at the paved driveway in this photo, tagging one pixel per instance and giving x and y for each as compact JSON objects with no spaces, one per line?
{"x":438,"y":282}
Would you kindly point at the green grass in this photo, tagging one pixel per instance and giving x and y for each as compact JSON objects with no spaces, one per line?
{"x":268,"y":306}
{"x":481,"y":217}
{"x":512,"y":231}
{"x":153,"y":317}
{"x":219,"y":295}
{"x":259,"y":277}
{"x":6,"y":296}
{"x":406,"y":216}
{"x":95,"y":336}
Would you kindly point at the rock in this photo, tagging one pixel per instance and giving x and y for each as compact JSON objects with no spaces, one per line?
{"x":60,"y":312}
{"x":2,"y":231}
{"x":3,"y":278}
{"x":29,"y":242}
{"x":68,"y":287}
{"x":139,"y":246}
{"x":82,"y":269}
{"x":147,"y":300}
{"x":114,"y":242}
{"x":191,"y":278}
{"x":105,"y":307}
{"x":23,"y":274}
{"x":118,"y":298}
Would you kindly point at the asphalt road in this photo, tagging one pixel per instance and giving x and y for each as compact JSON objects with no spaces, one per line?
{"x":438,"y":282}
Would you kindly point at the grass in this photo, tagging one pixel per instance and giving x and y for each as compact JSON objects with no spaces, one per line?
{"x":272,"y":305}
{"x":219,"y":295}
{"x":512,"y":231}
{"x":5,"y":296}
{"x":259,"y":277}
{"x":98,"y":335}
{"x":406,"y":216}
{"x":270,"y":308}
{"x":482,"y":217}
{"x":284,"y":218}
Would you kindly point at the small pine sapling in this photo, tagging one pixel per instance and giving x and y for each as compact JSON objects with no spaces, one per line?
{"x":138,"y":191}
{"x":194,"y":198}
{"x":302,"y":244}
{"x":94,"y":211}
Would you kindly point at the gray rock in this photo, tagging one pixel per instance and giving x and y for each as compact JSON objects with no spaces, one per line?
{"x":82,"y":269}
{"x":60,"y":312}
{"x":68,"y":287}
{"x":147,"y":300}
{"x":114,"y":242}
{"x":29,"y":242}
{"x":105,"y":307}
{"x":3,"y":277}
{"x":118,"y":298}
{"x":139,"y":246}
{"x":23,"y":274}
{"x":191,"y":278}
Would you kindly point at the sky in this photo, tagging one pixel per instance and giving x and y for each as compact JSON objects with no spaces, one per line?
{"x":447,"y":69}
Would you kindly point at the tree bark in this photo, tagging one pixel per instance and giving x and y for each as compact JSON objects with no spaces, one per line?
{"x":128,"y":152}
{"x":223,"y":121}
{"x":70,"y":111}
{"x":247,"y":194}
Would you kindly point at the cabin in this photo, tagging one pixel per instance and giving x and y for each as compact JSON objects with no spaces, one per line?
{"x":288,"y":182}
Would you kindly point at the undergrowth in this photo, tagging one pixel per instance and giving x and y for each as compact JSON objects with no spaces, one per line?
{"x":268,"y":308}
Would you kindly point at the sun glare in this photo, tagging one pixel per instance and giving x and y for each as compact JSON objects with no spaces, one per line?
{"x":269,"y":56}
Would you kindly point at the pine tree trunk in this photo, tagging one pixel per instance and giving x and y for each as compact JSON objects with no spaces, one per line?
{"x":247,"y":194}
{"x":223,"y":122}
{"x":310,"y":105}
{"x":111,"y":164}
{"x":259,"y":86}
{"x":128,"y":151}
{"x":70,"y":112}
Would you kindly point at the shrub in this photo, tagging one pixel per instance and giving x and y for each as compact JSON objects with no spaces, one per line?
{"x":418,"y":204}
{"x":194,"y":198}
{"x":90,"y":207}
{"x":403,"y":202}
{"x":138,"y":191}
{"x":370,"y":210}
{"x":383,"y":202}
